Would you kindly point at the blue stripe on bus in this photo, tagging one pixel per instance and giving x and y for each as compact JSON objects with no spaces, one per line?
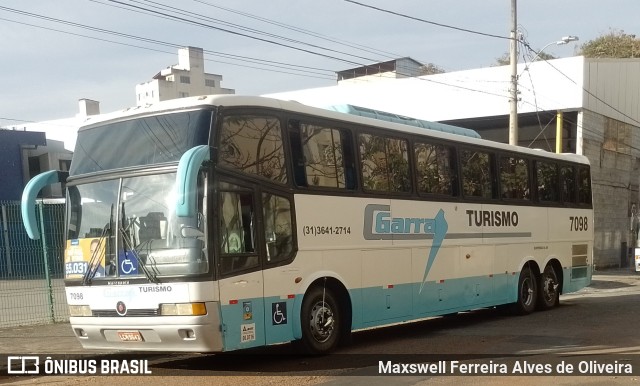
{"x":381,"y":305}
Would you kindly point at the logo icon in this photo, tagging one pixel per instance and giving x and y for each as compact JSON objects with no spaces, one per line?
{"x":28,"y":365}
{"x":121,"y":308}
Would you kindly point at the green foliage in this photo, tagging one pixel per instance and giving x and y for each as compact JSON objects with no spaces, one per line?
{"x":615,"y":44}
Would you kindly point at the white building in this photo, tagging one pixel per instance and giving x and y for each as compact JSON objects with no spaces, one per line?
{"x":600,"y":104}
{"x":187,"y":78}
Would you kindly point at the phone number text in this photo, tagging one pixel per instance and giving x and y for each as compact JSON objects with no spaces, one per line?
{"x":317,"y":230}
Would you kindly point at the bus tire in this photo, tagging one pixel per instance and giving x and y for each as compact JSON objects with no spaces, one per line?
{"x":321,"y":321}
{"x":549,"y":292}
{"x":527,"y":292}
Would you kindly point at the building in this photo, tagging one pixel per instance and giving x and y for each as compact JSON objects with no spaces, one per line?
{"x":187,"y":78}
{"x":395,"y":69}
{"x":595,"y":101}
{"x":32,"y":148}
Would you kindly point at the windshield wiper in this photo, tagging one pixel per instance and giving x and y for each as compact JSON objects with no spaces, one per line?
{"x":127,"y":247}
{"x":151,"y":274}
{"x":93,"y":265}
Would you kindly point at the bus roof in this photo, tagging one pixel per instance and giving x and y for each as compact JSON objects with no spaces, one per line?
{"x":293,"y":106}
{"x":385,"y":116}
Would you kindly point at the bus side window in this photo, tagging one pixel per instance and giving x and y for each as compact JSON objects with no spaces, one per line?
{"x":435,"y":169}
{"x":584,"y":186}
{"x":236,"y":232}
{"x":514,"y":178}
{"x":547,"y":178}
{"x":297,"y":157}
{"x":476,"y":174}
{"x":278,"y":230}
{"x":568,"y":184}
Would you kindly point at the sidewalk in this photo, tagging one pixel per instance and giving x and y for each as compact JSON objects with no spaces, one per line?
{"x":59,"y":338}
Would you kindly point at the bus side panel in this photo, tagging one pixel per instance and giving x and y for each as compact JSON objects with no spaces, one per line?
{"x":386,"y":278}
{"x":574,"y":228}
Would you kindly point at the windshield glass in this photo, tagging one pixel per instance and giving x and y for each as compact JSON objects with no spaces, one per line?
{"x":151,"y":241}
{"x":139,"y":141}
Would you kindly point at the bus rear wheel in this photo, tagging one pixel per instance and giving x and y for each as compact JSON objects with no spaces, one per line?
{"x":321,"y":321}
{"x":549,"y":294}
{"x":527,"y":292}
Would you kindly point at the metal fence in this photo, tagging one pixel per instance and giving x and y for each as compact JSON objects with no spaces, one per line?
{"x":31,"y":271}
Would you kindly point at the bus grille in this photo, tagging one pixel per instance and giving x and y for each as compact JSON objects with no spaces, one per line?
{"x":130,"y":313}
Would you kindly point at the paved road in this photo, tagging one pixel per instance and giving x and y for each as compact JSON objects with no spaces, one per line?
{"x":594,"y":326}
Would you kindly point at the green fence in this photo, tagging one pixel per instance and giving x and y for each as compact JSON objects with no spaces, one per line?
{"x":31,"y":286}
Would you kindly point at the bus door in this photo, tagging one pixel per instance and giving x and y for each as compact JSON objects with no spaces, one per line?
{"x":239,"y":266}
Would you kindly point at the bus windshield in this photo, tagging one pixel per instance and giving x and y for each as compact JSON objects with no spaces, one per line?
{"x":140,"y":141}
{"x":125,"y":225}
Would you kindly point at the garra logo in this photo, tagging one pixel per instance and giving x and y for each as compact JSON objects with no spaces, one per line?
{"x":380,"y":225}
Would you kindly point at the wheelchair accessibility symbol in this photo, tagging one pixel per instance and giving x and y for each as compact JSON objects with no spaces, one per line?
{"x":279,"y":313}
{"x":128,"y":266}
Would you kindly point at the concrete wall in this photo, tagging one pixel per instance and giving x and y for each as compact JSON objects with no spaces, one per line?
{"x":614,"y":171}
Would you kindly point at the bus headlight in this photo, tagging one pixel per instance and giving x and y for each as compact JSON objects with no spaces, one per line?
{"x":193,"y":309}
{"x":75,"y":310}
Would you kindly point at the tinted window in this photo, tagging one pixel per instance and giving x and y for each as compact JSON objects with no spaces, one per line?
{"x":476,"y":173}
{"x":567,"y":184}
{"x":384,"y":163}
{"x":253,"y":144}
{"x":547,"y":177}
{"x":323,"y":161}
{"x":514,"y":178}
{"x":139,"y":141}
{"x":584,"y":186}
{"x":434,"y":168}
{"x":236,"y":232}
{"x":277,"y":217}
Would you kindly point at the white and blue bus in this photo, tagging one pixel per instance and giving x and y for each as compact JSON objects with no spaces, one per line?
{"x":219,"y":223}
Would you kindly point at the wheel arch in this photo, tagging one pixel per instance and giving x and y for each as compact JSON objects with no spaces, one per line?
{"x":557,"y":267}
{"x":334,"y":283}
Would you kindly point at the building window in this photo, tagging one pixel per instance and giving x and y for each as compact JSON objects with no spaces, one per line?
{"x":210,"y":83}
{"x":183,"y":94}
{"x":185,"y":79}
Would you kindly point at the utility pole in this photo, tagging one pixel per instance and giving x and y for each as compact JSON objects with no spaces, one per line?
{"x":513,"y":60}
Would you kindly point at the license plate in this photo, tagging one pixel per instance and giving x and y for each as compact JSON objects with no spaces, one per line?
{"x":130,"y":336}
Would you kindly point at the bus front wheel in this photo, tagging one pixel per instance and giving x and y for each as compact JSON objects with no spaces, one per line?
{"x":527,"y":292}
{"x":320,"y":321}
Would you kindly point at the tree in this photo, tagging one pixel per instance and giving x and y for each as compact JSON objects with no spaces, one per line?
{"x":504,"y":60}
{"x":430,"y":69}
{"x":615,"y":44}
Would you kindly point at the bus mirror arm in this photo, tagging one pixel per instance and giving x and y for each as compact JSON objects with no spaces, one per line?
{"x":29,"y":195}
{"x":187,"y":179}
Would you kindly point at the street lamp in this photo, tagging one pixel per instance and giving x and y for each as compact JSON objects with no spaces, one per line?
{"x":513,"y":100}
{"x":563,"y":40}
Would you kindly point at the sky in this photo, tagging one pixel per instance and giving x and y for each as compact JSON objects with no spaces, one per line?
{"x":54,"y":53}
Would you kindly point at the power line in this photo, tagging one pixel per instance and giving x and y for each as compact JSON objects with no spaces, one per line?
{"x":290,"y":27}
{"x":201,"y":24}
{"x":428,"y":21}
{"x":288,"y":66}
